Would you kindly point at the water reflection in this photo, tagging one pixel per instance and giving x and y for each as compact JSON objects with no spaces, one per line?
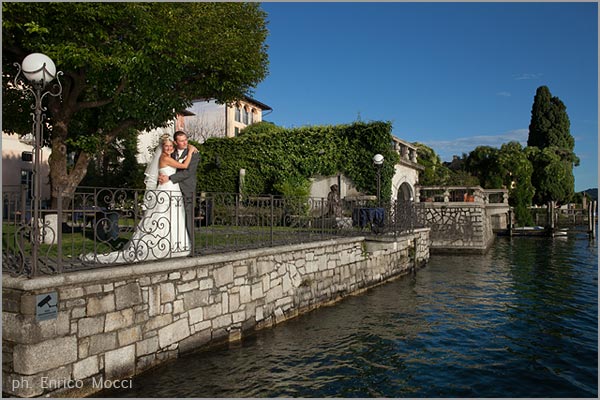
{"x":520,"y":321}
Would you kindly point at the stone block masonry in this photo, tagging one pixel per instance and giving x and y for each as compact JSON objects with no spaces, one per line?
{"x":457,"y":227}
{"x":114,"y":323}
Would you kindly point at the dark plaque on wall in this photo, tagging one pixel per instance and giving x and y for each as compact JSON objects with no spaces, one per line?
{"x":27,"y":156}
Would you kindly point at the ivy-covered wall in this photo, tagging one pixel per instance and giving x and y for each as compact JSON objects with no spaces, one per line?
{"x":286,"y":157}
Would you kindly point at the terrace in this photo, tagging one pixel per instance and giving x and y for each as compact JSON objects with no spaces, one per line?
{"x":102,"y":220}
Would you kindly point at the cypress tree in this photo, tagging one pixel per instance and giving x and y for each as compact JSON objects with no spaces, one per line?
{"x":551,"y":149}
{"x":550,"y":125}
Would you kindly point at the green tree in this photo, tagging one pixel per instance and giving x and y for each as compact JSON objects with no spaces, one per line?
{"x":435,"y":173}
{"x":462,"y":178}
{"x":550,"y":125}
{"x":552,"y":175}
{"x":483,"y":163}
{"x":554,"y":159}
{"x":516,"y":170}
{"x":127,"y":66}
{"x":116,"y":166}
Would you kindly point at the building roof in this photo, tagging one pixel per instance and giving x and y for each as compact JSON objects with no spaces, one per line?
{"x":263,"y":106}
{"x":247,"y":99}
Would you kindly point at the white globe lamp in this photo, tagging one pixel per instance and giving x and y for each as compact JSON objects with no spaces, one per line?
{"x":377,"y":159}
{"x":38,"y":68}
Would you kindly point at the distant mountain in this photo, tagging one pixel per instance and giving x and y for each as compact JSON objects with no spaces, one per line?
{"x":592,"y":192}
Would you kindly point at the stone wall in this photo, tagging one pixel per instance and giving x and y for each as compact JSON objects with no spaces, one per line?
{"x":113,"y":323}
{"x":457,"y":227}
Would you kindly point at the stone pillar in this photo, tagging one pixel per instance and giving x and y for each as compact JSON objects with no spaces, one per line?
{"x":49,"y":229}
{"x":241,"y":183}
{"x":592,"y":218}
{"x":479,"y":198}
{"x":551,"y":221}
{"x":413,"y":156}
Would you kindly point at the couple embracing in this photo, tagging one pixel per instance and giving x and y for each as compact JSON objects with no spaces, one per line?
{"x":165,"y":230}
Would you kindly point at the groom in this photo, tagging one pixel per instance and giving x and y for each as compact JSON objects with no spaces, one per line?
{"x":185,"y":177}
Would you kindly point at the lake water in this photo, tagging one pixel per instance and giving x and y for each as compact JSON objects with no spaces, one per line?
{"x":519,"y":321}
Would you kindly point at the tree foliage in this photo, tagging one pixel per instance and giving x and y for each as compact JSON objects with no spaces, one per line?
{"x":462,"y":178}
{"x":551,"y":149}
{"x":435,"y":173}
{"x":262,"y":127}
{"x":116,"y":166}
{"x":509,"y":168}
{"x":516,"y":170}
{"x":127,"y":66}
{"x":483,"y":163}
{"x":550,"y":125}
{"x":552,"y":176}
{"x":488,"y":167}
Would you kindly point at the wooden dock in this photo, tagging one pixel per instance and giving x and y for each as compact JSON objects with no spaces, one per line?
{"x":533,"y":231}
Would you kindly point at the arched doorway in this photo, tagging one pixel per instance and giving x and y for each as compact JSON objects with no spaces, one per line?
{"x":405,"y":192}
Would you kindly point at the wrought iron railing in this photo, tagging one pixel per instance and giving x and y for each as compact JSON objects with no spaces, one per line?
{"x":564,"y":217}
{"x":107,"y":226}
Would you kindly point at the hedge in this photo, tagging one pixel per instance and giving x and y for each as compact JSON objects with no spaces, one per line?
{"x":283,"y":158}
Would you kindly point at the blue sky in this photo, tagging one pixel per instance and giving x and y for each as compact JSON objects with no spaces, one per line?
{"x":450,"y":75}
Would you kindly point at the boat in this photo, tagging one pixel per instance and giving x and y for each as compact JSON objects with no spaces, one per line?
{"x":533,"y":231}
{"x":529,"y":231}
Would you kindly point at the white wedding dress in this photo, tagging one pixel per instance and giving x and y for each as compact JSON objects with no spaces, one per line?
{"x":160,"y":234}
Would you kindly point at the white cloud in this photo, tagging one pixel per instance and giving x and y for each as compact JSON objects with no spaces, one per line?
{"x":526,"y":76}
{"x":447,"y":148}
{"x":503,"y":94}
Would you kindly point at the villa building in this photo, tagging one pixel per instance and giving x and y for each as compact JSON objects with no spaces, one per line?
{"x":17,"y":163}
{"x":406,"y":177}
{"x":204,"y":119}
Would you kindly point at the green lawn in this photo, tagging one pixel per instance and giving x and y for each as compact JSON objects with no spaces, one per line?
{"x":81,"y":240}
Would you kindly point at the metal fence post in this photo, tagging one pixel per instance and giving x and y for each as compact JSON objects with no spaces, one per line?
{"x":323,"y":205}
{"x":59,"y":224}
{"x":237,"y":209}
{"x":272,"y":219}
{"x":192,"y":221}
{"x":22,"y":225}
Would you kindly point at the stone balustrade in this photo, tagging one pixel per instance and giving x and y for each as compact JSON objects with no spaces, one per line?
{"x":467,"y":194}
{"x":407,"y":151}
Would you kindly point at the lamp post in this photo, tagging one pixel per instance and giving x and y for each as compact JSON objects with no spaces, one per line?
{"x":39,"y":70}
{"x":378,"y":162}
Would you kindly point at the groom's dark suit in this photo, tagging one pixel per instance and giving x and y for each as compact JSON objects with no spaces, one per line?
{"x":187,"y":183}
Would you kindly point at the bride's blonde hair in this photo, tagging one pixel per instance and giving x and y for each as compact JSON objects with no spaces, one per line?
{"x":165,"y":138}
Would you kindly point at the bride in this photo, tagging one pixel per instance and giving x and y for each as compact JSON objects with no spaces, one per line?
{"x":161,"y":233}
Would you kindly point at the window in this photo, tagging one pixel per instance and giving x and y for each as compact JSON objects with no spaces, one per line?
{"x":245,"y":121}
{"x":27,"y":179}
{"x":238,"y":117}
{"x":237,"y":132}
{"x":252,"y":116}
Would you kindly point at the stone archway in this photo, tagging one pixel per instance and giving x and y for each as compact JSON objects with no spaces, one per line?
{"x":405,"y":192}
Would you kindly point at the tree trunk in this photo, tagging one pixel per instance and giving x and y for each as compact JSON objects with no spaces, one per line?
{"x":61,"y":181}
{"x":62,"y":110}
